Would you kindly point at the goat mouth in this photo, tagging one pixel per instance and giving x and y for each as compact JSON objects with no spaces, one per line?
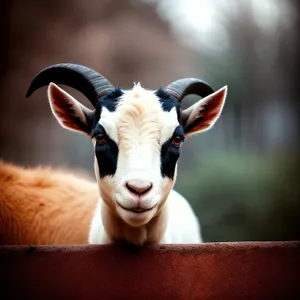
{"x":137,"y":210}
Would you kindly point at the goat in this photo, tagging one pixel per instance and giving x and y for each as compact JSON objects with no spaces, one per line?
{"x":44,"y":206}
{"x":137,"y":135}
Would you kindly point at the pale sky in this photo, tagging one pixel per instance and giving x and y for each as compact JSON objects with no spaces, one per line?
{"x":199,"y":22}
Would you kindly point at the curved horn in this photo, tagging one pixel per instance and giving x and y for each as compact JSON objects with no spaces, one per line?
{"x":187,"y":86}
{"x":87,"y":81}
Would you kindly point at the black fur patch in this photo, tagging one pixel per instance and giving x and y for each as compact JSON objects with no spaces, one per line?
{"x":106,"y":154}
{"x":166,"y":100}
{"x":170,"y":154}
{"x":110,"y":100}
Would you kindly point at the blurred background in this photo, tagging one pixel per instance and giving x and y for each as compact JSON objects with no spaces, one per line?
{"x":242,"y":177}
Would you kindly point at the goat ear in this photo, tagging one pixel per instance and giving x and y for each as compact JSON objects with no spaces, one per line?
{"x":203,"y":114}
{"x":68,"y":111}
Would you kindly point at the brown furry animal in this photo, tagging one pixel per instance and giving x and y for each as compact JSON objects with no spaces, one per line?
{"x":44,"y":206}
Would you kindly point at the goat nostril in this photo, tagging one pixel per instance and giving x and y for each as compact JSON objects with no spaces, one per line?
{"x":138,"y":189}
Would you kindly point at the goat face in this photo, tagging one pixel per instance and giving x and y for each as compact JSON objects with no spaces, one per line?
{"x":137,"y":145}
{"x":137,"y":136}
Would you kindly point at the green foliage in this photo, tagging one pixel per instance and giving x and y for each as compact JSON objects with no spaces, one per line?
{"x":243,"y":198}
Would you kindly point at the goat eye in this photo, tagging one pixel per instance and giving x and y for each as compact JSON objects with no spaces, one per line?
{"x":100,"y":138}
{"x":177,"y":140}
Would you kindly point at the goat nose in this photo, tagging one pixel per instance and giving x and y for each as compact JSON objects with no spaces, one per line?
{"x":138,"y":187}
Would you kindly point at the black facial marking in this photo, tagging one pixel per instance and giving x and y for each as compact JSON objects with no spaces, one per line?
{"x":110,"y":100}
{"x":168,"y":102}
{"x":106,"y":154}
{"x":162,"y":93}
{"x":170,"y":154}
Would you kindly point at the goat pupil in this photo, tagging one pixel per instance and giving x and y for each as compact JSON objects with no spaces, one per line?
{"x":177,"y":141}
{"x":101,"y":138}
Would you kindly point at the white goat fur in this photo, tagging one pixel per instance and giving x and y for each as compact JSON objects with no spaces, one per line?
{"x":140,"y":127}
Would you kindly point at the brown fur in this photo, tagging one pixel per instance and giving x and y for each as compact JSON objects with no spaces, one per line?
{"x":44,"y":206}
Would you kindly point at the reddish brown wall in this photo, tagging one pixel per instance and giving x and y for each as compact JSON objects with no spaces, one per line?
{"x":210,"y":271}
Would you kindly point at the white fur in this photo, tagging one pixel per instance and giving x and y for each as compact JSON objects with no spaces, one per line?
{"x":180,"y":225}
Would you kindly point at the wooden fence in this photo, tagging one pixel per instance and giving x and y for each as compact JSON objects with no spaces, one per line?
{"x":259,"y":270}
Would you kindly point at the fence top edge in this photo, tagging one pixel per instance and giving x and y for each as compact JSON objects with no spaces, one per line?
{"x":180,"y":248}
